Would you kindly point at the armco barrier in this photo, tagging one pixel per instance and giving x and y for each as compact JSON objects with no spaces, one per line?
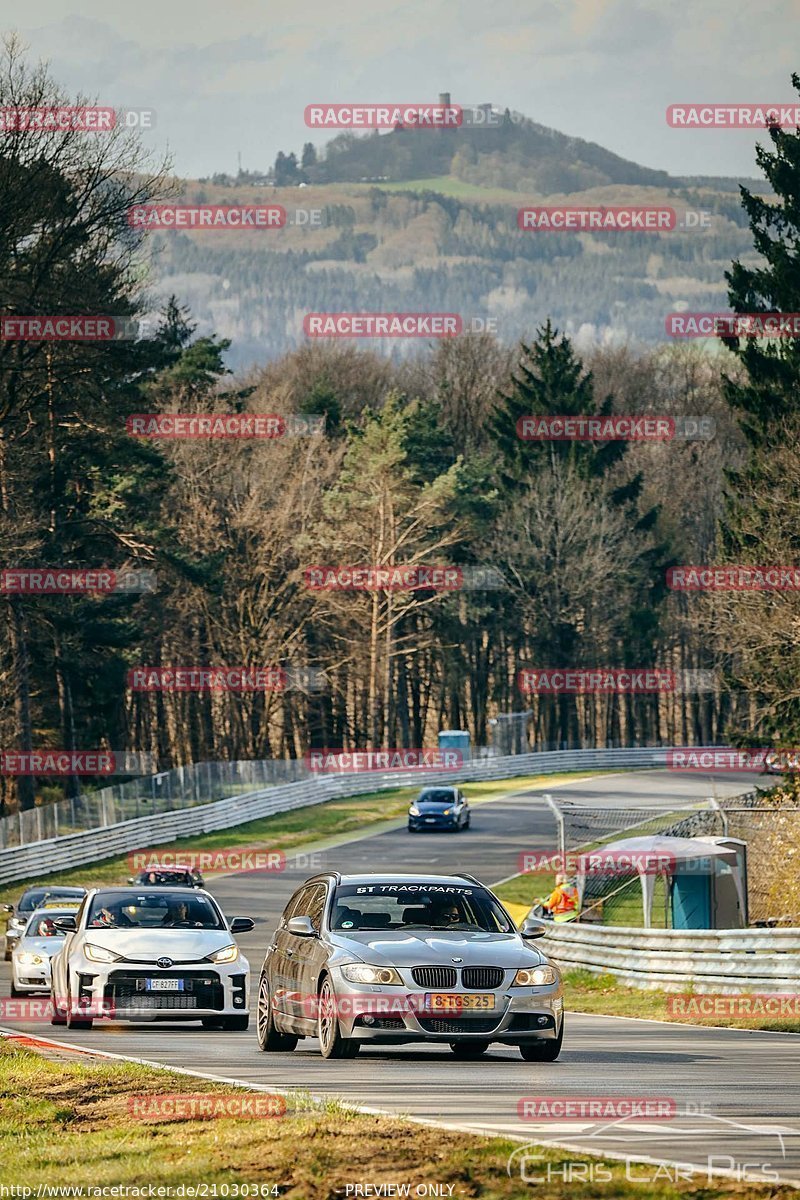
{"x":38,"y":859}
{"x":729,"y":961}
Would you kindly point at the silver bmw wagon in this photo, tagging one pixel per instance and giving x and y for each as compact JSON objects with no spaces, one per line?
{"x":395,"y":958}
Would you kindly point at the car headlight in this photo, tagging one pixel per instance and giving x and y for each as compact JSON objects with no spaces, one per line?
{"x":413,"y":811}
{"x":28,"y":959}
{"x":535,"y":976}
{"x":100,"y":954}
{"x":362,"y":973}
{"x":447,"y":812}
{"x":226,"y":954}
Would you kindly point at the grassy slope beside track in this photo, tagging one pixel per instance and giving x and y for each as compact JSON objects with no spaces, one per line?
{"x":65,"y":1123}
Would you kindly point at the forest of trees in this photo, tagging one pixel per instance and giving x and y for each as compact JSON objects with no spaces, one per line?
{"x":419,"y":462}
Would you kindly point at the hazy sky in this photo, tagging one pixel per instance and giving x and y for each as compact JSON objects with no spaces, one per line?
{"x":236,"y":75}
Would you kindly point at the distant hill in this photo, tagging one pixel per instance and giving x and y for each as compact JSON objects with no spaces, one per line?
{"x":514,"y":153}
{"x":427,"y":221}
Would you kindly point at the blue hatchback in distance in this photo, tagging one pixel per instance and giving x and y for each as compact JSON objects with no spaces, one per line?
{"x":439,"y":808}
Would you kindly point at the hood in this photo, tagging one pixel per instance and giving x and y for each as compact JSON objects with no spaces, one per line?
{"x":41,"y":945}
{"x":428,"y":947}
{"x":147,"y":945}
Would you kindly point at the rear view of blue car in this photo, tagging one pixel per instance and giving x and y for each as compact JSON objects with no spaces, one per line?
{"x":439,"y":808}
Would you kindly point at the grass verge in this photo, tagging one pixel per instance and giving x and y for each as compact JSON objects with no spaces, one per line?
{"x":291,"y":830}
{"x":66,"y":1123}
{"x":603,"y":994}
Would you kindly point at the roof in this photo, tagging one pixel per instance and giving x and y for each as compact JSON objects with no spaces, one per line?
{"x":406,"y":877}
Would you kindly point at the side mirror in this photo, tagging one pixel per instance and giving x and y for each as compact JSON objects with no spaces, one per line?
{"x":131,"y":879}
{"x":242,"y":924}
{"x":301,"y":927}
{"x":7,"y":908}
{"x":66,"y":924}
{"x":531,"y":928}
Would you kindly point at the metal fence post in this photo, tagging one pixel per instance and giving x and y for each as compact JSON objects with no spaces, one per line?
{"x":715,"y":805}
{"x":559,"y":816}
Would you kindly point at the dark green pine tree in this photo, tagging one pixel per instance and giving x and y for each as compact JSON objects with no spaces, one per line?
{"x":770,"y":389}
{"x":550,"y":381}
{"x":762,"y":501}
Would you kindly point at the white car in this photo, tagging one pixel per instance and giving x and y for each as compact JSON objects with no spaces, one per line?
{"x":145,"y":954}
{"x":39,"y":941}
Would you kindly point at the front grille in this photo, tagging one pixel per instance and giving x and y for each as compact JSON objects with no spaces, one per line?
{"x":434,"y":977}
{"x":155,"y":1000}
{"x":482,"y":977}
{"x":126,"y":989}
{"x":458,"y":1025}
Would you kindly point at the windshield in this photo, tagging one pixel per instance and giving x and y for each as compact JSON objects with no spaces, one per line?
{"x":437,"y":797}
{"x":33,"y":899}
{"x":417,"y":906}
{"x":43,"y":924}
{"x":164,"y":878}
{"x":153,"y":910}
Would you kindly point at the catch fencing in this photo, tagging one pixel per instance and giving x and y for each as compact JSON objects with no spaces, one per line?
{"x":111,"y":836}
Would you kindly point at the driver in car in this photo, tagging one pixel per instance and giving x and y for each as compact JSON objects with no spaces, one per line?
{"x":112,"y":918}
{"x":176,"y":914}
{"x":446,"y":913}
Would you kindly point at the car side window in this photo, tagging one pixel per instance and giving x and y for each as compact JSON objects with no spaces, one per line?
{"x":293,"y":908}
{"x":80,"y":912}
{"x":315,"y":906}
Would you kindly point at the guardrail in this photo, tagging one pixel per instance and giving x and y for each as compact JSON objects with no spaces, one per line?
{"x":40,"y":858}
{"x":727,"y":961}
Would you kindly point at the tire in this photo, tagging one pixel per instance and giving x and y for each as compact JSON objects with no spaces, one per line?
{"x":74,"y":1021}
{"x":331,"y":1042}
{"x":411,"y":829}
{"x":7,"y":955}
{"x":14,"y":991}
{"x":56,"y":1017}
{"x":543,"y":1049}
{"x":469,"y":1049}
{"x":269,"y":1038}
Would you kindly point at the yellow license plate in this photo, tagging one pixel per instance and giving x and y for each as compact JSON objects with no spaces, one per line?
{"x":458,"y":1001}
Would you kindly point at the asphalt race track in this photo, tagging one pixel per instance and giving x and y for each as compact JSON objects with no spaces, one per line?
{"x":737,"y":1092}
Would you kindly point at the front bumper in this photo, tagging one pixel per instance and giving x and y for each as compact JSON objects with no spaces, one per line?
{"x":120,"y":991}
{"x":449,"y":823}
{"x":400,"y":1014}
